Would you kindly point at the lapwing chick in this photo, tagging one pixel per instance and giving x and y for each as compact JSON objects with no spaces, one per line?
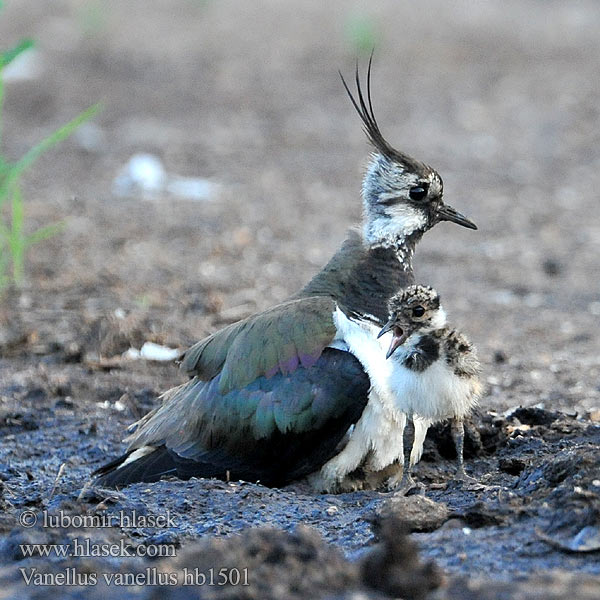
{"x":435,"y":374}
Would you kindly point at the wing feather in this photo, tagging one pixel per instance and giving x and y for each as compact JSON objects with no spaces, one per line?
{"x":278,"y":340}
{"x":274,"y":430}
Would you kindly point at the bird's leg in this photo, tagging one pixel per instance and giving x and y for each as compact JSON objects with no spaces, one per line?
{"x":458,"y":435}
{"x":402,"y":482}
{"x":407,"y":483}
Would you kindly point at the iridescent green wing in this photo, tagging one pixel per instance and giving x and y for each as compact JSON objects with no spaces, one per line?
{"x":278,"y":340}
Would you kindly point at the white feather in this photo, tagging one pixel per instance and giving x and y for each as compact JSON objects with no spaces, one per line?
{"x":436,"y":393}
{"x":379,"y":431}
{"x":402,"y":221}
{"x":137,"y":454}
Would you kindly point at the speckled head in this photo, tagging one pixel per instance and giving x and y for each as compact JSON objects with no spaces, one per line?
{"x":415,"y":309}
{"x":402,"y":196}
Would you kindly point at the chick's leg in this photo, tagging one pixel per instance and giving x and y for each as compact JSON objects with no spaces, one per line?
{"x":458,"y":435}
{"x":402,"y":482}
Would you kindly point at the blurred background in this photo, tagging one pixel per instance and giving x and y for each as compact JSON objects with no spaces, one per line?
{"x":247,"y":165}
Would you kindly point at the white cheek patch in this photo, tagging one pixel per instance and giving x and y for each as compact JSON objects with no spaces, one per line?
{"x":406,"y":219}
{"x":439,"y":319}
{"x":400,"y":221}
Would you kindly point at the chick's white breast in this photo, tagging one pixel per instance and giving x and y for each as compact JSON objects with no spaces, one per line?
{"x":436,"y":393}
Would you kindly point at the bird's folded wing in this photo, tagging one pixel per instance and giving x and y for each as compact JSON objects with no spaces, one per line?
{"x":273,"y":429}
{"x":275,"y":341}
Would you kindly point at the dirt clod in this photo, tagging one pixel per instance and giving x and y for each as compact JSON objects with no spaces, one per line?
{"x":418,"y":512}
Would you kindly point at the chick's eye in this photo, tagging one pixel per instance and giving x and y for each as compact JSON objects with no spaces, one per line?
{"x":419,"y":192}
{"x":418,"y":311}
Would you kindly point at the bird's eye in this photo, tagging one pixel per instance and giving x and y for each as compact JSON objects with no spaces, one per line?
{"x":419,"y":192}
{"x":418,"y":311}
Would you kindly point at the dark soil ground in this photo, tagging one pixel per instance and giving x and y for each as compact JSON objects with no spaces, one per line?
{"x":502,"y":98}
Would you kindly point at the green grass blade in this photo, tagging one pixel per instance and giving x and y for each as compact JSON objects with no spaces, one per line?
{"x":6,"y":185}
{"x":54,"y":138}
{"x":9,"y":55}
{"x":3,"y":190}
{"x":43,"y":233}
{"x":16,"y":240}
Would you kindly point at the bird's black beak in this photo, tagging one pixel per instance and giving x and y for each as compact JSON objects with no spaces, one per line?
{"x":399,"y":336}
{"x":447,"y":213}
{"x":387,"y":327}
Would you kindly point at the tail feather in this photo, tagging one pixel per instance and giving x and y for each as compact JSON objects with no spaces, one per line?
{"x":153,"y":466}
{"x":147,"y":468}
{"x":311,"y":410}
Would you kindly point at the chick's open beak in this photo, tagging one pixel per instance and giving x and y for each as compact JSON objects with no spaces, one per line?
{"x":387,"y":327}
{"x":447,"y":213}
{"x":399,"y":336}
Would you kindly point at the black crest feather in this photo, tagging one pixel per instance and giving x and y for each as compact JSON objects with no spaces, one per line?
{"x":364,"y":108}
{"x":367,"y":115}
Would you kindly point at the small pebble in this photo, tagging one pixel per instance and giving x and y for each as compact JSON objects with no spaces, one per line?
{"x":551,"y":267}
{"x":500,"y":356}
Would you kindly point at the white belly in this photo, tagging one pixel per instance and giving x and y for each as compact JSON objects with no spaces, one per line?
{"x":436,"y":393}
